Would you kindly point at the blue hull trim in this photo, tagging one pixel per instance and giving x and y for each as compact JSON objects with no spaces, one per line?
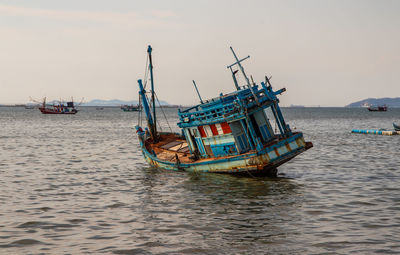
{"x":252,"y":162}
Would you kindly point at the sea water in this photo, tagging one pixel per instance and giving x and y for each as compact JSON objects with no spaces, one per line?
{"x":78,"y":184}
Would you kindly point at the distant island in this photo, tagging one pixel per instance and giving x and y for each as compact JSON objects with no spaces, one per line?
{"x":115,"y":102}
{"x":390,"y":102}
{"x":99,"y":103}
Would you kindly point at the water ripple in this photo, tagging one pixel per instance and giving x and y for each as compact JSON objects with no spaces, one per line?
{"x":80,"y":185}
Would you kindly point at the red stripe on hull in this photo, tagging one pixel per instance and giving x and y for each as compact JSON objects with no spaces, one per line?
{"x":50,"y":111}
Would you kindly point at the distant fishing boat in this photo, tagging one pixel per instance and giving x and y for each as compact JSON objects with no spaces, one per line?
{"x":99,"y":108}
{"x":396,"y":127}
{"x":58,"y":108}
{"x":130,"y":108}
{"x":29,"y":107}
{"x":377,"y":108}
{"x":227,"y":134}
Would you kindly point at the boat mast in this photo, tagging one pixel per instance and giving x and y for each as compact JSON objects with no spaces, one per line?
{"x":195,"y":86}
{"x":234,"y":77}
{"x":243,"y":72}
{"x":146,"y":107}
{"x":154,"y":127}
{"x":240,"y":65}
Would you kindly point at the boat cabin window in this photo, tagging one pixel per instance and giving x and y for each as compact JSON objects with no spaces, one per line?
{"x":240,"y":136}
{"x":194,"y":132}
{"x":196,"y":141}
{"x":261,"y":126}
{"x":271,"y":120}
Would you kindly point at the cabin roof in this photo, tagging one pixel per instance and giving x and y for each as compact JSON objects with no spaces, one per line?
{"x":229,"y":106}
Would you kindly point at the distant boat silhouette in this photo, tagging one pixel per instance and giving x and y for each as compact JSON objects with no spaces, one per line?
{"x":130,"y":108}
{"x":58,"y":108}
{"x":378,"y":108}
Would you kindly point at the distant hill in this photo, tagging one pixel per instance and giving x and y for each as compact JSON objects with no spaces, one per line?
{"x":115,"y":102}
{"x":391,"y":102}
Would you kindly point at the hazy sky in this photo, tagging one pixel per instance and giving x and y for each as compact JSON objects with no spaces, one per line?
{"x":327,"y":53}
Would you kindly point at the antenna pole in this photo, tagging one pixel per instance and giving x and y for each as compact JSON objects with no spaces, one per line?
{"x":195,"y":86}
{"x":244,"y":74}
{"x":240,"y":65}
{"x":154,"y":131}
{"x":234,"y":78}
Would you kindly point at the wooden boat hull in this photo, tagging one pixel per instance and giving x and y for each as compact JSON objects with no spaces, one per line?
{"x":264,"y":162}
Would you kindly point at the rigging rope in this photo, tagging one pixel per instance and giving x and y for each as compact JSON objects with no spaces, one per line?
{"x":140,"y":116}
{"x":146,"y":72}
{"x":151,"y":105}
{"x":170,"y":129}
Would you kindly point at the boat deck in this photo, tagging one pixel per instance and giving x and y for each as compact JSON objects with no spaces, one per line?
{"x":171,"y":146}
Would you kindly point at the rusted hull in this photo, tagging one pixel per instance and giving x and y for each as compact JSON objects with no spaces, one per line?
{"x":263,"y":162}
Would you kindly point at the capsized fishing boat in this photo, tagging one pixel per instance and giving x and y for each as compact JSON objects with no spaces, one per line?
{"x":396,"y":127}
{"x":227,"y":134}
{"x":58,"y":108}
{"x":130,"y":108}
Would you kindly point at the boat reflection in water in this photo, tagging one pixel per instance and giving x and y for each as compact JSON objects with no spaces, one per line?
{"x":231,"y":133}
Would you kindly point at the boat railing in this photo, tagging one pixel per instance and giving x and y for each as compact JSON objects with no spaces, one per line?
{"x":219,"y":110}
{"x":216,"y":113}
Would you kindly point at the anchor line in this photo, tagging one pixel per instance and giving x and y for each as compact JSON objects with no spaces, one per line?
{"x":146,"y":72}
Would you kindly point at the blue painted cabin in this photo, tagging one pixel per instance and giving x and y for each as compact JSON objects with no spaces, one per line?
{"x":231,"y":133}
{"x":232,"y":124}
